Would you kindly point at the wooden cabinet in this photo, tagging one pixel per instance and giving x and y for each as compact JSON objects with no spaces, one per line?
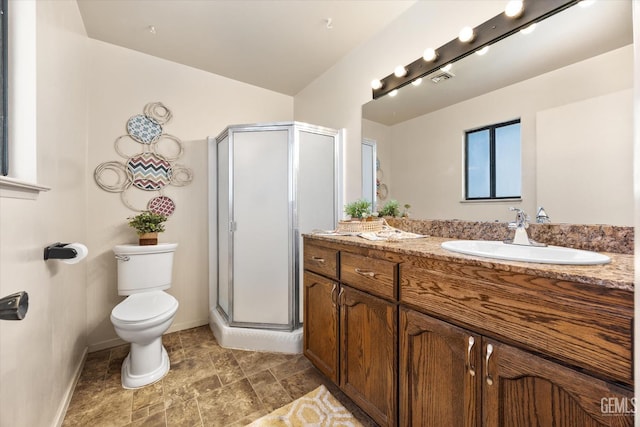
{"x":521,"y":389}
{"x":419,"y":341}
{"x":440,"y":373}
{"x":368,"y":358}
{"x":471,"y":380}
{"x":321,"y":323}
{"x":350,"y":332}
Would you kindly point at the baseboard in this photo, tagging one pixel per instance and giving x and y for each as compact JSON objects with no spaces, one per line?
{"x":62,"y":410}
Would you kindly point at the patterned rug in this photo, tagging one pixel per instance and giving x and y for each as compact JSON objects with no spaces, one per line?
{"x":318,"y":408}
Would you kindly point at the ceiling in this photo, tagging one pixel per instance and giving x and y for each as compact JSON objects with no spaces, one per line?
{"x":281,"y":45}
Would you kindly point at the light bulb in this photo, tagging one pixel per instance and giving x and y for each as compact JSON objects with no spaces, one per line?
{"x":400,"y":71}
{"x":393,"y":93}
{"x":586,"y":3}
{"x":483,"y":50}
{"x":466,"y":35}
{"x":529,"y":29}
{"x":417,"y":82}
{"x":430,"y":55}
{"x":446,"y":68}
{"x":514,"y":8}
{"x":376,"y":84}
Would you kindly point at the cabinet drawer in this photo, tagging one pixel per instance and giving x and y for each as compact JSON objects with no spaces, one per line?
{"x":372,"y":275}
{"x":321,"y":260}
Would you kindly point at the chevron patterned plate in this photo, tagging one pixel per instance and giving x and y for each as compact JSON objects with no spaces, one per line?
{"x":143,"y":129}
{"x":149,"y":171}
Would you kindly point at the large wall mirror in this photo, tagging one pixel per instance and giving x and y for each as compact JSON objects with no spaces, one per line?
{"x":569,"y":82}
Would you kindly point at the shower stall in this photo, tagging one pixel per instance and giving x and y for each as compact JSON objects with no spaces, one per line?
{"x":269,"y":184}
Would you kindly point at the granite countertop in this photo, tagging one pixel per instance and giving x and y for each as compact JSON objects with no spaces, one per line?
{"x":618,"y":274}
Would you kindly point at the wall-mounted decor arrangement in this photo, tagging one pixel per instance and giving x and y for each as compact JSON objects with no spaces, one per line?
{"x":152,"y":168}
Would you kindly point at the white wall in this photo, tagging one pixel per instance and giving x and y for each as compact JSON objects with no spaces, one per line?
{"x":121,"y":82}
{"x":571,"y":119}
{"x":39,"y":355}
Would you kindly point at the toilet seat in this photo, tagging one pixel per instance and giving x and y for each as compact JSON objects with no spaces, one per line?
{"x":145,"y":308}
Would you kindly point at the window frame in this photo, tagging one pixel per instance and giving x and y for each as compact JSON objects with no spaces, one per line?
{"x":492,"y":161}
{"x":4,"y":121}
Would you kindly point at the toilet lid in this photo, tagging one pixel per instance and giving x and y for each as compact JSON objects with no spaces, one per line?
{"x":144,"y":306}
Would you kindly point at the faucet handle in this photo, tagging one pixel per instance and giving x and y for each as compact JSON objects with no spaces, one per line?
{"x":522,"y":219}
{"x":542,"y":217}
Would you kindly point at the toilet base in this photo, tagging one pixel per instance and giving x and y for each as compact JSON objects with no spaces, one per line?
{"x":133,"y":381}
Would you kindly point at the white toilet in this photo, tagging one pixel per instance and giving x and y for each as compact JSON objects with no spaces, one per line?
{"x":144,"y":272}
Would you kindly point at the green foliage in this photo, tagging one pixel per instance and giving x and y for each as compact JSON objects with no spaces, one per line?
{"x":147,"y":222}
{"x":358,"y":209}
{"x":391,"y":208}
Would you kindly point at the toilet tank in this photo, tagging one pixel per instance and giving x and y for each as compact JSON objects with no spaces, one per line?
{"x":144,"y":268}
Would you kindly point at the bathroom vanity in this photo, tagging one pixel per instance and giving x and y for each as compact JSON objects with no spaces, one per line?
{"x":420,"y":336}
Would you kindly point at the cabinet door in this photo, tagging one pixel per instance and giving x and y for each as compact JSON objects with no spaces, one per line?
{"x":369,"y":365}
{"x":321,"y":323}
{"x":440,"y":373}
{"x":521,"y":389}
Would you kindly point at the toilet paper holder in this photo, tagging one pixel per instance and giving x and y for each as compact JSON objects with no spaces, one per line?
{"x":59,"y":251}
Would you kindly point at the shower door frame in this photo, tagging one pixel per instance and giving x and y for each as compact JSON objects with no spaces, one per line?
{"x":293,"y":141}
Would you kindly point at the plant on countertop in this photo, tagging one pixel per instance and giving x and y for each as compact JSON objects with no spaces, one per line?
{"x":391,"y":208}
{"x":405,"y":214}
{"x":360,"y":209}
{"x":147,"y":222}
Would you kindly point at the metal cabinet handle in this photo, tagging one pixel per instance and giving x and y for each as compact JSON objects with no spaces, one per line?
{"x":472,"y":369}
{"x":318,"y":259}
{"x":334,"y":300}
{"x":365,"y":273}
{"x":486,"y":364}
{"x":122,"y":258}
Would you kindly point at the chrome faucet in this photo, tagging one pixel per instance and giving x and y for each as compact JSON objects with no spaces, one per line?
{"x":542,"y":217}
{"x":520,"y":226}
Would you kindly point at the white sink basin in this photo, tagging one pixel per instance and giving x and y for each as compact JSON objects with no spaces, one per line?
{"x":545,"y":255}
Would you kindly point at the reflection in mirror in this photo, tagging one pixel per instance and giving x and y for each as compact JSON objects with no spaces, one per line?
{"x":369,"y":171}
{"x":570,"y":84}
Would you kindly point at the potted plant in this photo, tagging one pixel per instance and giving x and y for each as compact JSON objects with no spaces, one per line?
{"x":391,"y":208}
{"x":360,"y":209}
{"x":405,"y":213}
{"x":148,"y":224}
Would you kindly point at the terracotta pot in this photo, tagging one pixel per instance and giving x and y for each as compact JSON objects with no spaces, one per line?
{"x":147,"y":239}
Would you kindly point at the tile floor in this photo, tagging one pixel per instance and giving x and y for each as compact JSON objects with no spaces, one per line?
{"x":206,"y":386}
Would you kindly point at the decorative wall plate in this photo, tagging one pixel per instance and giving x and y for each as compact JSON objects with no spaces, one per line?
{"x":149,"y":171}
{"x":144,"y":129}
{"x":161,"y":205}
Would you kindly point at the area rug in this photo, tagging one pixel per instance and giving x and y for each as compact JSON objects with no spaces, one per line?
{"x":317,"y":408}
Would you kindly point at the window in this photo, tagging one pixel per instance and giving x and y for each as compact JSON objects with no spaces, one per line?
{"x":4,"y":160}
{"x":492,"y":162}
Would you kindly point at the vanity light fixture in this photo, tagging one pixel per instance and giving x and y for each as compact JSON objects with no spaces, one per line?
{"x":529,"y":29}
{"x":376,"y":84}
{"x":586,"y":3}
{"x":514,"y":9}
{"x":400,"y":71}
{"x":430,"y":55}
{"x":487,"y":33}
{"x":466,"y":35}
{"x":482,"y":51}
